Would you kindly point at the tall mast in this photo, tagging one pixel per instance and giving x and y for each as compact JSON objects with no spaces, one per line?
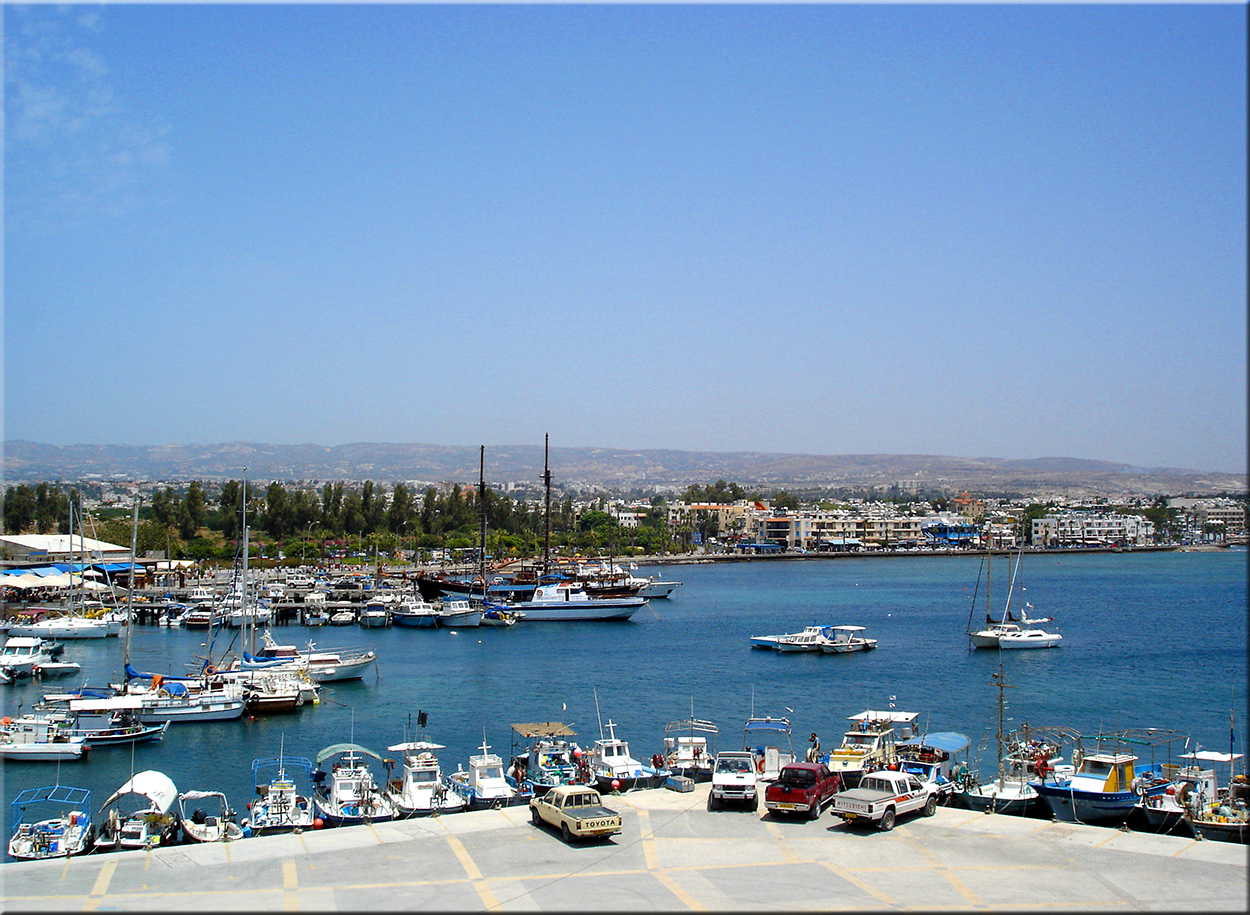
{"x":243,"y":600}
{"x":989,"y":565}
{"x":130,"y":596}
{"x":547,"y":483}
{"x":481,"y":501}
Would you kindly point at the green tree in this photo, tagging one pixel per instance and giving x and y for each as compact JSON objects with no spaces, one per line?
{"x":19,"y":508}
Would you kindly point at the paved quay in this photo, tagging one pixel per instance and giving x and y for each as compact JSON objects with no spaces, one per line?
{"x":673,"y":855}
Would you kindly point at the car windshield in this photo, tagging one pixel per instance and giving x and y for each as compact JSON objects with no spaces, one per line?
{"x":799,"y":778}
{"x":733,"y":765}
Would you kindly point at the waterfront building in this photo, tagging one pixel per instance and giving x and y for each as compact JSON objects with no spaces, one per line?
{"x":1079,"y":528}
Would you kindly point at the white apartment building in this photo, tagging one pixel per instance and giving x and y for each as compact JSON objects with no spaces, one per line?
{"x":1070,"y":529}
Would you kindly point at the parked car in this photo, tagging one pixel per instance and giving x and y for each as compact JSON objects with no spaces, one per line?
{"x":733,"y":780}
{"x":801,"y":788}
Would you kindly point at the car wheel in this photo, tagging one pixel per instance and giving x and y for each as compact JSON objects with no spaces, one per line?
{"x":535,"y":818}
{"x":564,"y":832}
{"x":813,"y":812}
{"x":711,"y":802}
{"x":930,"y":806}
{"x":887,"y":821}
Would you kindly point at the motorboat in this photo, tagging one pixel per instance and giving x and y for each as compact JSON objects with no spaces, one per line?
{"x":499,"y":617}
{"x":614,"y":769}
{"x":66,"y":832}
{"x":870,"y":744}
{"x":812,"y":638}
{"x":139,"y":814}
{"x":376,"y":615}
{"x":348,"y":794}
{"x":20,"y":655}
{"x":689,"y":749}
{"x":415,"y":612}
{"x":552,"y":759}
{"x":458,"y":613}
{"x":215,"y":825}
{"x":843,"y":639}
{"x":278,"y":805}
{"x":40,"y":738}
{"x":570,"y":602}
{"x":655,"y":589}
{"x":322,"y":664}
{"x":484,"y":785}
{"x":344,"y":617}
{"x":763,"y":737}
{"x":421,"y":791}
{"x":768,"y":641}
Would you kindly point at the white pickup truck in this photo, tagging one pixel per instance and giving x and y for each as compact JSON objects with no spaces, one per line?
{"x":882,"y":797}
{"x":578,"y":812}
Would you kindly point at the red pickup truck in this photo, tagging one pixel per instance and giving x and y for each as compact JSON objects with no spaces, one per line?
{"x":802,"y":787}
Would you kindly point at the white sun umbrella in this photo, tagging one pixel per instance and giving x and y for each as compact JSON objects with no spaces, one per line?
{"x":23,"y":581}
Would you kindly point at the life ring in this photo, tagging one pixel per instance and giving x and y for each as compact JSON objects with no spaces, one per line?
{"x":759,"y":765}
{"x":210,"y":670}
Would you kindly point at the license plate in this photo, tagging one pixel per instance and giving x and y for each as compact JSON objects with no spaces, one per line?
{"x":785,"y":806}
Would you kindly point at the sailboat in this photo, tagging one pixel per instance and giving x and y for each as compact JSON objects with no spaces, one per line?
{"x":68,"y":626}
{"x":1006,"y":632}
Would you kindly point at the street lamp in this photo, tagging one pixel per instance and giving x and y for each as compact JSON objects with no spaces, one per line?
{"x":303,"y":544}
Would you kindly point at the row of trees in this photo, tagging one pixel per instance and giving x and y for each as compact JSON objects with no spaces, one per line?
{"x":308,"y":524}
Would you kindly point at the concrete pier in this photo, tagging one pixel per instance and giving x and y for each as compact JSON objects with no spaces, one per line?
{"x":673,"y":855}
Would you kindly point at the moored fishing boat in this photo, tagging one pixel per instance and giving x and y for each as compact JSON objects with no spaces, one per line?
{"x":348,"y":794}
{"x":459,"y":614}
{"x":415,"y":612}
{"x":845,"y":639}
{"x":550,"y":760}
{"x":614,"y":769}
{"x":322,"y":664}
{"x":689,"y":749}
{"x":763,"y":737}
{"x":1100,"y":791}
{"x":67,"y":832}
{"x":214,"y":825}
{"x":139,"y":814}
{"x":870,"y":744}
{"x":39,"y":738}
{"x":421,"y":790}
{"x":278,"y":805}
{"x":484,"y":785}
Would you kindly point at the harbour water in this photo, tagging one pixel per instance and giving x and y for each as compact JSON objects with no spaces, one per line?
{"x":1150,"y":640}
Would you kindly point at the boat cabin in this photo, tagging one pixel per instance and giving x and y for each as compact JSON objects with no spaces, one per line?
{"x":1113,"y":771}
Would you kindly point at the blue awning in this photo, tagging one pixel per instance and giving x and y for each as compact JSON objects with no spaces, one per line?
{"x":948,"y":741}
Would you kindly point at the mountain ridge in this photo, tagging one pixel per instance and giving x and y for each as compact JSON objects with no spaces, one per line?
{"x":612,"y":468}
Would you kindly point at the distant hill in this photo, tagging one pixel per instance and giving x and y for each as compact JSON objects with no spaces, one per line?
{"x":587,"y":468}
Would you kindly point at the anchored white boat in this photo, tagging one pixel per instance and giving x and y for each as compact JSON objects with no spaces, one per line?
{"x":484,"y":785}
{"x":279,"y":807}
{"x":844,"y":639}
{"x":569,"y":602}
{"x":39,"y":739}
{"x":351,"y":796}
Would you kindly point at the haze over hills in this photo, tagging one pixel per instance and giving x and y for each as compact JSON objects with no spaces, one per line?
{"x":608,"y":468}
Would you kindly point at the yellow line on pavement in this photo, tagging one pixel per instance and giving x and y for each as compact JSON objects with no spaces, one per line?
{"x":947,"y":874}
{"x":290,"y":886}
{"x":649,"y":854}
{"x":868,"y":888}
{"x":780,"y":840}
{"x":101,"y":887}
{"x":676,"y":889}
{"x":474,"y":873}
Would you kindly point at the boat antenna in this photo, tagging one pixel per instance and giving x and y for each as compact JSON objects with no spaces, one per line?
{"x":130,"y":596}
{"x":597,"y":715}
{"x":547,"y":484}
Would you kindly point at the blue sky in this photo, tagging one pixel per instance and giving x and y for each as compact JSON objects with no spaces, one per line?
{"x":1009,"y":231}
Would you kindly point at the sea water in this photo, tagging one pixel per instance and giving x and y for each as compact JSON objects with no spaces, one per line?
{"x":1150,"y":639}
